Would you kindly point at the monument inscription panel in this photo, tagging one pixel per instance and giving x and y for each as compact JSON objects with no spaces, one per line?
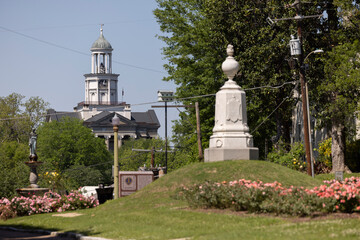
{"x":132,"y":181}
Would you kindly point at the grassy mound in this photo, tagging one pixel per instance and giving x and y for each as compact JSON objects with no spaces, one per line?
{"x":227,"y":171}
{"x":151,"y":213}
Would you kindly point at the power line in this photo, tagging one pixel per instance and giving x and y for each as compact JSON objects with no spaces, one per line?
{"x":267,"y":117}
{"x":147,"y":103}
{"x":75,"y":51}
{"x":83,"y":25}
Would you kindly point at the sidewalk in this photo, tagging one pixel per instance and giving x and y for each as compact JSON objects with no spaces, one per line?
{"x":12,"y":235}
{"x":9,"y":233}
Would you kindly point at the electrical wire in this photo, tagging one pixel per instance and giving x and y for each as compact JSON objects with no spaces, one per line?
{"x":76,"y":51}
{"x":146,"y":103}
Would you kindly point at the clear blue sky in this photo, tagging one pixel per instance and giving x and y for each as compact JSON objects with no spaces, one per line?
{"x":33,"y":68}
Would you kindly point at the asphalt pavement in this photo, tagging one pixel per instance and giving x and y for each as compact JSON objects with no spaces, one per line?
{"x":12,"y":235}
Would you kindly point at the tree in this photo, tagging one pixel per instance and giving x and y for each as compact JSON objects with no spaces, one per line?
{"x":130,"y":160}
{"x":197,"y":33}
{"x":340,"y":96}
{"x":71,"y":149}
{"x":13,"y":171}
{"x":19,"y":117}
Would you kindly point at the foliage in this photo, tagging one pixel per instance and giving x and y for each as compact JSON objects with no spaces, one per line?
{"x":352,"y":155}
{"x":66,"y":146}
{"x":340,"y":90}
{"x":259,"y":197}
{"x":352,"y":159}
{"x":131,"y":160}
{"x":20,"y":117}
{"x":134,"y":215}
{"x":50,"y":202}
{"x":13,"y":171}
{"x":292,"y":159}
{"x":196,"y":34}
{"x":324,"y":151}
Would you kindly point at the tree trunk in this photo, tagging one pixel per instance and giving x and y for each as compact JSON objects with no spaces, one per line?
{"x":338,"y":146}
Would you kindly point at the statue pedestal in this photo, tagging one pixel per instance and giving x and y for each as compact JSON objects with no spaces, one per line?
{"x":34,"y":188}
{"x":231,"y":139}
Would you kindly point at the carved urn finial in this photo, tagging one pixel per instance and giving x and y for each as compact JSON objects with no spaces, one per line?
{"x":230,"y":66}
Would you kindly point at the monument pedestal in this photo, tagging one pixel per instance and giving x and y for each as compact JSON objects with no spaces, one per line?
{"x":231,"y":139}
{"x":215,"y":154}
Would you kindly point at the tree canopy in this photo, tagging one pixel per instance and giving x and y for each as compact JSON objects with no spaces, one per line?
{"x":71,"y":150}
{"x":19,"y":117}
{"x":197,"y":32}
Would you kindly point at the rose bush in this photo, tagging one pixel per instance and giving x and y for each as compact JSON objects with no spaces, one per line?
{"x":256,"y":196}
{"x":50,"y":202}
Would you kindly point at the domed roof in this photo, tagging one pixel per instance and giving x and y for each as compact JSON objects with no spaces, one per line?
{"x":101,"y":43}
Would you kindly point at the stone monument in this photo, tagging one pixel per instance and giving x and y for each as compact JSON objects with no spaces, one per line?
{"x":231,"y":139}
{"x":33,"y":188}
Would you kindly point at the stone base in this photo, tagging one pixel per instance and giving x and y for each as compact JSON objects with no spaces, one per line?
{"x":223,"y":154}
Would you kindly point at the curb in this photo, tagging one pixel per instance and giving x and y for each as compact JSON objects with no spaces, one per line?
{"x":77,"y":236}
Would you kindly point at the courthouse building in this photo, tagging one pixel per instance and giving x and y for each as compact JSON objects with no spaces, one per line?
{"x":102,"y":103}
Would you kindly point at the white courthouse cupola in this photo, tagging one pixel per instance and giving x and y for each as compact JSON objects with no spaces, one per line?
{"x":101,"y":84}
{"x":101,"y":55}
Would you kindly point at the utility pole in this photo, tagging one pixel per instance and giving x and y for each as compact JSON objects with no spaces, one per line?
{"x":300,"y":57}
{"x":198,"y":130}
{"x":297,"y":5}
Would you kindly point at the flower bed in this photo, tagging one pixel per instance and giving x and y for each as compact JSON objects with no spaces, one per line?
{"x":50,"y":202}
{"x":256,"y":196}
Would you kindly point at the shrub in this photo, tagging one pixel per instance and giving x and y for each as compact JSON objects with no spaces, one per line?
{"x":292,"y":159}
{"x":50,"y":202}
{"x":324,"y":162}
{"x":259,"y":197}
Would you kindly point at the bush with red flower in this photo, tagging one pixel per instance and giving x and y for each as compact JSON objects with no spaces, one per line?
{"x":49,"y":202}
{"x":259,"y":197}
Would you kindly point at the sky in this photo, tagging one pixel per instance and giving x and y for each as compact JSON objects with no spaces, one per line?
{"x":45,"y":51}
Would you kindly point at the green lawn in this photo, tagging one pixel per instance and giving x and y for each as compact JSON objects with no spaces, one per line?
{"x":152,"y":214}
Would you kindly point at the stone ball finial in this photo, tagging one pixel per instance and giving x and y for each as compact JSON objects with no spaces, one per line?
{"x":230,"y":50}
{"x":230,"y":66}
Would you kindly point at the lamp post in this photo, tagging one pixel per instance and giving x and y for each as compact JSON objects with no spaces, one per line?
{"x":116,"y":122}
{"x":308,"y":112}
{"x":165,"y":96}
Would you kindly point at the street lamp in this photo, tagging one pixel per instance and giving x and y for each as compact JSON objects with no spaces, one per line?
{"x":165,"y":96}
{"x":116,"y":122}
{"x":308,"y":113}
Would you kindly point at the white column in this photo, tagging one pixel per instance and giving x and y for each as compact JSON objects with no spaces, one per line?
{"x":98,"y":63}
{"x":108,"y":90}
{"x":106,"y":64}
{"x":110,"y":63}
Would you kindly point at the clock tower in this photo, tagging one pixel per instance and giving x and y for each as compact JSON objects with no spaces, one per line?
{"x":101,"y":103}
{"x":101,"y":83}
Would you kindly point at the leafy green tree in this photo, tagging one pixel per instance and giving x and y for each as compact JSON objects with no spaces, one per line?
{"x":19,"y":117}
{"x":196,"y":34}
{"x":340,"y":96}
{"x":131,"y":160}
{"x":71,"y":150}
{"x":13,"y":171}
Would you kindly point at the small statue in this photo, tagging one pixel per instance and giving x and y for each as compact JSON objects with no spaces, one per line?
{"x":32,"y":145}
{"x":102,"y":68}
